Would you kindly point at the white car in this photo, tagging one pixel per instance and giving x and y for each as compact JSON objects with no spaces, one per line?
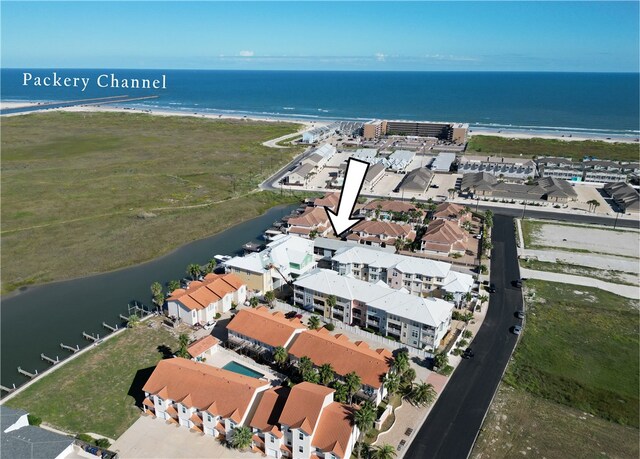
{"x":210,"y":325}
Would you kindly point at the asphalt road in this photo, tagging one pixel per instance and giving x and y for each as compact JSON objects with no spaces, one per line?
{"x":451,"y":428}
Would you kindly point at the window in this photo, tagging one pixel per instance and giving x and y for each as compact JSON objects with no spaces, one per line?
{"x":414,"y":333}
{"x":209,"y":417}
{"x":273,"y":440}
{"x":184,"y":410}
{"x":301,"y":449}
{"x":301,"y":436}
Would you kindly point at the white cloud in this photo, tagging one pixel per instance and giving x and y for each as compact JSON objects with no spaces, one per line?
{"x":380,"y":57}
{"x":246,"y":53}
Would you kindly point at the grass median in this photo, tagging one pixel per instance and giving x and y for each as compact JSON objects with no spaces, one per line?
{"x":84,"y":193}
{"x":96,"y":392}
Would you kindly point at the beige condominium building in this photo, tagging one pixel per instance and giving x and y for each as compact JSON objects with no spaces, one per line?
{"x":452,"y":132}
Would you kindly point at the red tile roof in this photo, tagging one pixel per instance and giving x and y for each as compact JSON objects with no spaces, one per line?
{"x":444,"y":233}
{"x":200,"y":294}
{"x":311,"y":218}
{"x":202,"y":345}
{"x":389,"y":229}
{"x":344,"y":355}
{"x":304,"y":405}
{"x":334,"y":429}
{"x":215,"y":390}
{"x":260,"y":324}
{"x":269,"y":410}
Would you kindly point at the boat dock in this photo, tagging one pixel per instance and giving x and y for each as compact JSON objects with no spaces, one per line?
{"x":70,"y":348}
{"x":90,"y":337}
{"x":49,"y":359}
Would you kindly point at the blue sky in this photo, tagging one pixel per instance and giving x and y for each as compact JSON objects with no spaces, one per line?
{"x":470,"y":36}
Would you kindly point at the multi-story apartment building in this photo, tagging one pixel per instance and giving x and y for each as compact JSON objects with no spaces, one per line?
{"x":303,"y":423}
{"x":413,"y":320}
{"x":262,"y":328}
{"x":387,"y":209}
{"x":381,"y":234}
{"x":202,"y":300}
{"x":418,"y":276}
{"x":509,"y":168}
{"x":588,"y":170}
{"x":345,"y":356}
{"x":201,"y":397}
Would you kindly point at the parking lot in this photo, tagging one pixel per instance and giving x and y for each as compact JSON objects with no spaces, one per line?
{"x":153,"y":438}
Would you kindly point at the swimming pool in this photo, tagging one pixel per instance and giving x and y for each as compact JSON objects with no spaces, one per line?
{"x":241,"y":369}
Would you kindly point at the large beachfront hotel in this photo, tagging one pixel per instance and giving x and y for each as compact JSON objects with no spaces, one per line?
{"x":451,"y":132}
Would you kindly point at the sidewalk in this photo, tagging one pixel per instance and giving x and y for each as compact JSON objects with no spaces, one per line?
{"x":628,"y":291}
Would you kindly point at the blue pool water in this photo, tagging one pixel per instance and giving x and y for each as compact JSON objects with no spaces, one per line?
{"x":241,"y":369}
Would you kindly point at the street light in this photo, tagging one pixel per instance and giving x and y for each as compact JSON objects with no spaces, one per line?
{"x":616,"y":222}
{"x":477,"y":202}
{"x":524,"y":209}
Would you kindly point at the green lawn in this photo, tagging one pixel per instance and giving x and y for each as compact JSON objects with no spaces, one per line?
{"x":616,"y":277}
{"x":93,"y":393}
{"x":580,"y":348}
{"x":502,"y":146}
{"x":520,"y":424}
{"x":84,"y":193}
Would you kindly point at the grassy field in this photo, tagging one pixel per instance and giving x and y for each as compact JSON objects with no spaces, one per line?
{"x":95,"y":392}
{"x":522,"y":425}
{"x":84,"y":193}
{"x":580,"y":348}
{"x":610,"y":275}
{"x":576,"y":150}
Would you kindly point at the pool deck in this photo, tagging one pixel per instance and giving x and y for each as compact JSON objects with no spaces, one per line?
{"x":223,"y":356}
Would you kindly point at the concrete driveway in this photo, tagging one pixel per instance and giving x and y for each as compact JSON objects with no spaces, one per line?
{"x":153,"y":438}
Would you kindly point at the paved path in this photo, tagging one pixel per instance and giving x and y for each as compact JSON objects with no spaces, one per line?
{"x":273,"y":143}
{"x":451,"y":428}
{"x":628,"y":291}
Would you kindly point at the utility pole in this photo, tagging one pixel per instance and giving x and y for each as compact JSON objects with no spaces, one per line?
{"x":524,"y":209}
{"x":477,"y":202}
{"x":616,"y":222}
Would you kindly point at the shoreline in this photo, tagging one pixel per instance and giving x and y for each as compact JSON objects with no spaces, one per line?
{"x":17,"y":292}
{"x":563,"y":134}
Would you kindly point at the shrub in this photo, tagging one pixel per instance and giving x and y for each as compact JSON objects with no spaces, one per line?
{"x":463,"y":343}
{"x":103,"y":443}
{"x":329,"y":327}
{"x":34,"y":420}
{"x":86,"y":438}
{"x":467,"y":334}
{"x":457,"y":351}
{"x":446,"y":371}
{"x":218,"y":315}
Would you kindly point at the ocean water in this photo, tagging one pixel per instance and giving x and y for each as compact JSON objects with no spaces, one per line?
{"x":590,"y":103}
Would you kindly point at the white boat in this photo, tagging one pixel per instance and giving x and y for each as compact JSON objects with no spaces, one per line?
{"x":221,"y":258}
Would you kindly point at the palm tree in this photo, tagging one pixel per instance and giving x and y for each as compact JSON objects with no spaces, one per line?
{"x":441,"y":360}
{"x":364,"y":419}
{"x":183,"y":341}
{"x":305,"y":365}
{"x":385,"y":451}
{"x":211,"y":266}
{"x":133,"y":321}
{"x":311,"y":376}
{"x":341,"y":394}
{"x":354,"y":383}
{"x":253,"y":302}
{"x":406,"y":379}
{"x":401,"y":362}
{"x":488,"y":218}
{"x":270,"y":297}
{"x":280,"y":356}
{"x":422,"y":394}
{"x":156,"y":289}
{"x":194,"y":270}
{"x":326,"y":374}
{"x":330,"y":302}
{"x":241,"y":437}
{"x":596,"y":204}
{"x":391,"y":382}
{"x":173,"y":285}
{"x":452,"y":193}
{"x":314,"y":322}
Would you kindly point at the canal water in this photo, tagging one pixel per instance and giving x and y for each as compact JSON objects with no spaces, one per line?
{"x":38,"y":319}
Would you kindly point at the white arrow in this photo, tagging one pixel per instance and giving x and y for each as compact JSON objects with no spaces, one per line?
{"x":353,"y":181}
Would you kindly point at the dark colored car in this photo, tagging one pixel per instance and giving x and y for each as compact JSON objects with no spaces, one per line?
{"x":517,"y":283}
{"x":467,"y":354}
{"x":290,"y":314}
{"x":492,"y":288}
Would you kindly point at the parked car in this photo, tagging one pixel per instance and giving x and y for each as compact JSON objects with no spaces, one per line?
{"x":209,"y":325}
{"x":290,"y":314}
{"x":492,"y":288}
{"x":517,"y":329}
{"x":467,"y":354}
{"x":517,"y":283}
{"x":520,"y":314}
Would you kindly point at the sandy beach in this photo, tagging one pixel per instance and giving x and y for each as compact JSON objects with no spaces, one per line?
{"x":8,"y":105}
{"x":567,"y":136}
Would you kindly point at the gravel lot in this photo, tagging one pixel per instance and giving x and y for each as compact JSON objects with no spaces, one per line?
{"x":591,"y":239}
